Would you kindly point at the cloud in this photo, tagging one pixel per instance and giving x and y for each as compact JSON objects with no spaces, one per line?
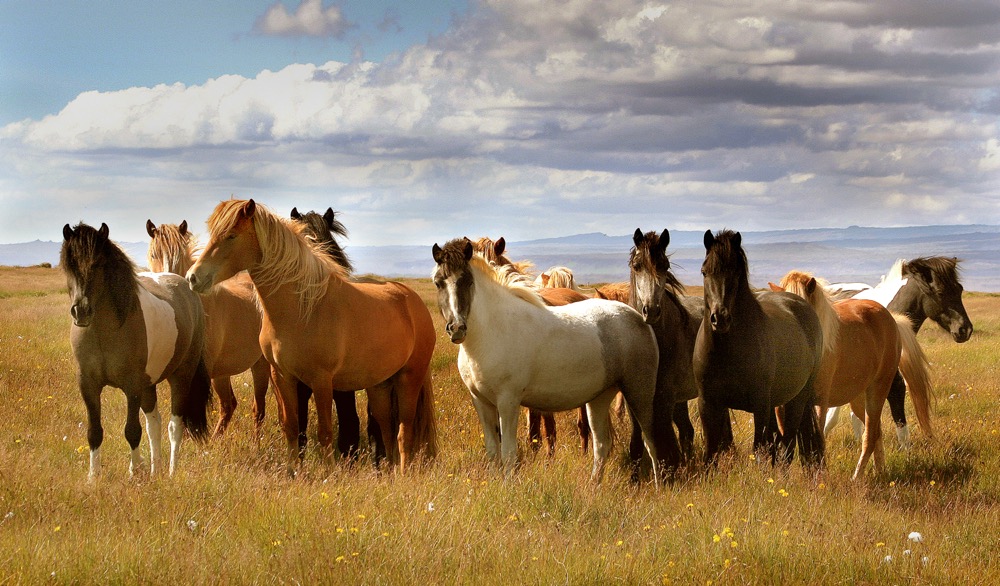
{"x":309,"y":19}
{"x":545,"y":116}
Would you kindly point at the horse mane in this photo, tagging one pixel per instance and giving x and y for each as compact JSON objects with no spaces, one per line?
{"x":649,"y":240}
{"x":170,"y":243}
{"x":325,"y":234}
{"x":507,"y":278}
{"x":945,"y":269}
{"x":87,"y":248}
{"x":722,"y":251}
{"x":485,"y":246}
{"x":795,"y":282}
{"x":287,"y":255}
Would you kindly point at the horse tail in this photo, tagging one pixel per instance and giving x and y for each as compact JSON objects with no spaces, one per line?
{"x":194,"y":407}
{"x":915,"y":367}
{"x":424,"y":423}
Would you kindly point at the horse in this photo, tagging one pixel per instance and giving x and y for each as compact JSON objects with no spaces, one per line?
{"x":331,"y":334}
{"x":864,"y":347}
{"x":659,"y":296}
{"x":232,"y":322}
{"x":323,"y":230}
{"x":132,"y":330}
{"x":557,"y":278}
{"x":614,"y":292}
{"x":516,"y":272}
{"x":755,"y":352}
{"x":922,"y":288}
{"x":515,"y":350}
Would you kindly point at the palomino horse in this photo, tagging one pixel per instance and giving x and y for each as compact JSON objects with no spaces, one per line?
{"x":864,"y":347}
{"x":325,"y":331}
{"x":922,"y":288}
{"x":675,"y":318}
{"x":323,"y":229}
{"x":516,"y":273}
{"x":232,"y":322}
{"x":755,"y":352}
{"x":517,"y":351}
{"x":132,"y":331}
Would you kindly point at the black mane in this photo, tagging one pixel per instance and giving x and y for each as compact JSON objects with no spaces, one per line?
{"x":85,"y":249}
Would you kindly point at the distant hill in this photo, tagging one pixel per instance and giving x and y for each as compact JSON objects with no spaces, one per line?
{"x":839,"y":254}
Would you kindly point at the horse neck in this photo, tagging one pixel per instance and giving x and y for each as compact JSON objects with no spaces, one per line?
{"x":908,"y":301}
{"x":493,"y":309}
{"x":285,"y":302}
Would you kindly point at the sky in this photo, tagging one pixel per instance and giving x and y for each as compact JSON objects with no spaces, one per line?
{"x":423,"y":121}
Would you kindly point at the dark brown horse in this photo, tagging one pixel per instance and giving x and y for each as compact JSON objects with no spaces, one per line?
{"x":675,"y":318}
{"x":756,"y":352}
{"x":132,"y":331}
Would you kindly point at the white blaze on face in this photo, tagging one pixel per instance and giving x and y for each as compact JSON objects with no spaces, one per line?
{"x":161,"y":330}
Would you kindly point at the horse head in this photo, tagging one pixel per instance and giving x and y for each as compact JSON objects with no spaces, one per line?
{"x":454,"y":281}
{"x":725,"y":273}
{"x":97,"y":272}
{"x":324,"y":230}
{"x":171,"y":248}
{"x":941,"y":294}
{"x":232,"y":245}
{"x":649,"y":273}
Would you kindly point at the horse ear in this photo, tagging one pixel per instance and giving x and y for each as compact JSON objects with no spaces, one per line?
{"x":598,"y":294}
{"x":664,"y":239}
{"x":775,"y":288}
{"x":104,"y":230}
{"x":811,"y":286}
{"x":249,"y":208}
{"x":151,"y":228}
{"x":545,"y":279}
{"x":499,"y":246}
{"x":67,"y":232}
{"x":709,"y":239}
{"x":295,"y":215}
{"x":183,"y":228}
{"x":436,"y":253}
{"x":469,"y":250}
{"x":328,"y":217}
{"x":637,"y":237}
{"x":737,"y":240}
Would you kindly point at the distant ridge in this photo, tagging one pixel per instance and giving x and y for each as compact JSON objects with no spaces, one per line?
{"x":839,"y":254}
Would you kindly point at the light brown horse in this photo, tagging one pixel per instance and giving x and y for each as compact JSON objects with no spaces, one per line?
{"x":864,"y":344}
{"x":132,"y":330}
{"x":614,"y":291}
{"x":326,"y":331}
{"x":493,"y":251}
{"x":232,"y":321}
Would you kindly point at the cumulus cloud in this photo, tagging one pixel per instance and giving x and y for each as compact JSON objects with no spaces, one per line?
{"x":309,"y":19}
{"x":544,"y":115}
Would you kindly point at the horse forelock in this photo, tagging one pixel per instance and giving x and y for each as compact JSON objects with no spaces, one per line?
{"x":287,"y":256}
{"x":944,"y":269}
{"x":657,"y":262}
{"x":795,"y":282}
{"x":87,"y":249}
{"x":169,"y":243}
{"x":323,"y":233}
{"x":724,"y":256}
{"x":506,"y":279}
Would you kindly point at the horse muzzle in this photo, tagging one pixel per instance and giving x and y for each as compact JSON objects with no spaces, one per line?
{"x":457,"y":332}
{"x":962,"y":334}
{"x":720,"y":320}
{"x":82,"y":313}
{"x":199,"y":284}
{"x":651,"y":313}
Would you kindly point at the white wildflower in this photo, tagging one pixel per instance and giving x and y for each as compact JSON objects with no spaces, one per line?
{"x":887,"y":559}
{"x":430,"y":507}
{"x":916,"y":537}
{"x":192,"y":525}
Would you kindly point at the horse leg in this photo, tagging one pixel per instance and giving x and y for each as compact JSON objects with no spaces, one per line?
{"x":408,"y":386}
{"x":685,"y":431}
{"x":598,"y":412}
{"x":91,"y":393}
{"x":133,"y":431}
{"x":323,"y":397}
{"x":153,"y":427}
{"x":534,"y":429}
{"x":508,"y":409}
{"x":302,"y":393}
{"x":380,"y":407}
{"x":227,"y":403}
{"x":549,"y":419}
{"x":714,"y":422}
{"x":897,"y":393}
{"x":583,"y":426}
{"x":832,"y":414}
{"x":287,"y":396}
{"x":489,"y":418}
{"x":375,"y":435}
{"x":348,"y":424}
{"x":261,"y":372}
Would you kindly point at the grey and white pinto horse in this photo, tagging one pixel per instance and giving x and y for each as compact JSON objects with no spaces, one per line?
{"x":132,"y":331}
{"x":517,"y":351}
{"x":921,"y":289}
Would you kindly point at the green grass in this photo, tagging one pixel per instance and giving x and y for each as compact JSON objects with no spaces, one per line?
{"x":231,"y":515}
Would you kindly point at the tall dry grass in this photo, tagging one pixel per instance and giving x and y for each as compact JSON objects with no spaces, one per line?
{"x":231,"y":516}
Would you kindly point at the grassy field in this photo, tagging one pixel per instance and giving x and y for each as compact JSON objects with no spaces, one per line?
{"x":231,"y":515}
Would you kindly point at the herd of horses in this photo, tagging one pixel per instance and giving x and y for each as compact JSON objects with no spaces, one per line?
{"x":276,"y":296}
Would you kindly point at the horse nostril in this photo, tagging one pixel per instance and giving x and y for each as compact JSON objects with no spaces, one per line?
{"x":714,"y":318}
{"x":73,"y":312}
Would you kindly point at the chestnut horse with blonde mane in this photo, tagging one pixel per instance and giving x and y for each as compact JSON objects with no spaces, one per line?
{"x":323,"y":330}
{"x":864,"y":345}
{"x":232,"y":322}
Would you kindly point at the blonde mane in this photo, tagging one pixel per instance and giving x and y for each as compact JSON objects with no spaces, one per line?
{"x":509,"y":278}
{"x":287,"y":255}
{"x":795,"y":282}
{"x":175,"y":252}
